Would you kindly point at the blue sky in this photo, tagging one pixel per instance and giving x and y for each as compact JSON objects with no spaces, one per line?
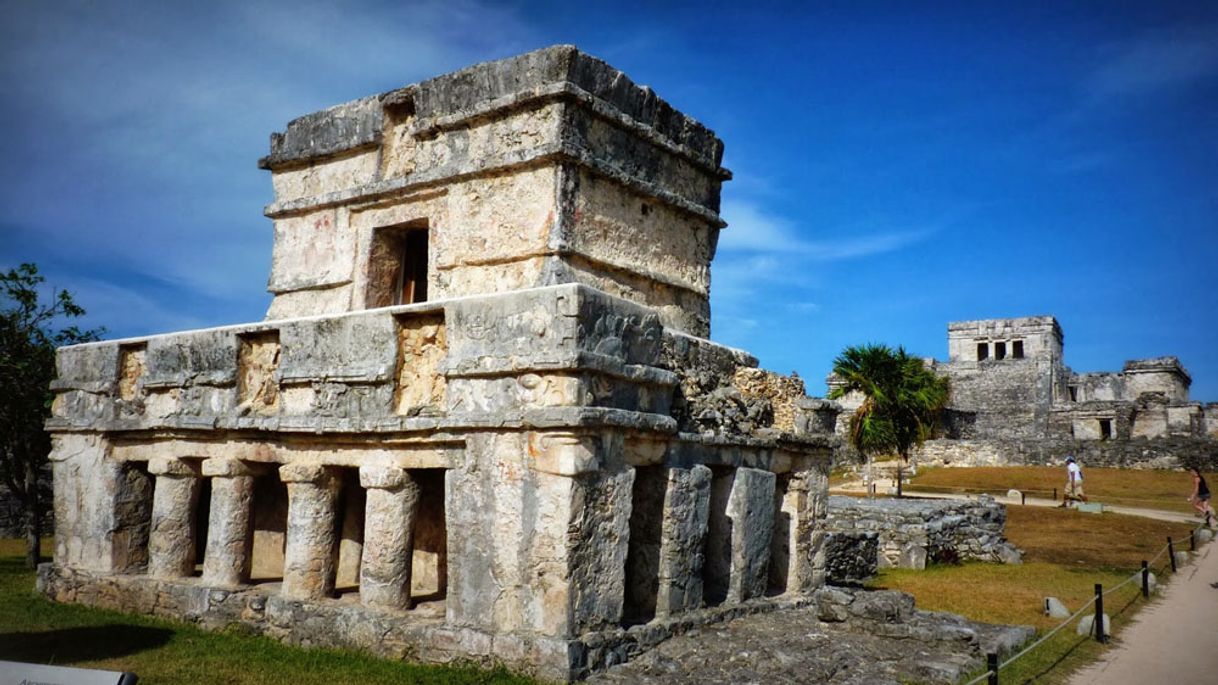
{"x":897,"y":166}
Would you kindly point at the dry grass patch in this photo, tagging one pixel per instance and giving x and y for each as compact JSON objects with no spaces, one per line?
{"x":1150,"y":489}
{"x":1074,"y":539}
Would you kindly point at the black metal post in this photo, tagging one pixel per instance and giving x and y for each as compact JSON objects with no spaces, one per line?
{"x":1192,"y":542}
{"x":899,"y":473}
{"x":1171,"y":552}
{"x":1054,"y":494}
{"x":1023,"y":497}
{"x":991,"y":663}
{"x":1145,"y":579}
{"x":1099,"y":614}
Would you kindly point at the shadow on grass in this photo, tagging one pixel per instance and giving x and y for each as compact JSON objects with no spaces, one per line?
{"x":76,"y":645}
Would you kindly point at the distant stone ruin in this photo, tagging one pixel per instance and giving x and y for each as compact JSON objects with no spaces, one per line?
{"x":481,"y":420}
{"x":1014,"y":401}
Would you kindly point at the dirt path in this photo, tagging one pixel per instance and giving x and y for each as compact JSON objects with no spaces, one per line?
{"x":1174,"y":640}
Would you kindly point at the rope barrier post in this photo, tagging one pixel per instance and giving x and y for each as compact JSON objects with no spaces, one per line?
{"x":1145,"y":579}
{"x":1023,"y":497}
{"x":1099,"y":614}
{"x":899,"y":479}
{"x":1192,"y":542}
{"x":991,"y":662}
{"x":1054,"y":494}
{"x":1171,"y":553}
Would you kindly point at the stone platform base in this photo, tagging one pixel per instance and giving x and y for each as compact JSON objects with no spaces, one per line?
{"x":846,"y":638}
{"x":415,"y":636}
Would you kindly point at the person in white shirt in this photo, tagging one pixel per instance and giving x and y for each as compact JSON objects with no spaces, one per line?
{"x":1074,"y":483}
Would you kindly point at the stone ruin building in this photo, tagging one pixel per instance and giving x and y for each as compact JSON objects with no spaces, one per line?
{"x":482,"y":419}
{"x":1014,"y":401}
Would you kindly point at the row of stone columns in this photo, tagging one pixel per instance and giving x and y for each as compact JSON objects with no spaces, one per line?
{"x":308,"y":573}
{"x":745,"y":536}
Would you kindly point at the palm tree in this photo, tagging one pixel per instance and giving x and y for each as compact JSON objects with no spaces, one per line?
{"x":902,"y":399}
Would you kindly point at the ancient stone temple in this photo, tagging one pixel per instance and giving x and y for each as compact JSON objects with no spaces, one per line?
{"x":482,"y":419}
{"x":1015,"y":401}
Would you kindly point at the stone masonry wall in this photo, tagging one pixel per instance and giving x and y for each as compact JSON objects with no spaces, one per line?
{"x":914,"y":532}
{"x":1170,"y":452}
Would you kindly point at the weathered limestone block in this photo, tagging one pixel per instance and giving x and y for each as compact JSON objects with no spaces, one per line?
{"x":257,"y":382}
{"x":801,"y":512}
{"x":598,"y":533}
{"x":751,"y":509}
{"x":686,"y":510}
{"x":422,"y":346}
{"x":230,"y":538}
{"x":171,"y":542}
{"x":309,"y":558}
{"x":103,"y":508}
{"x":393,"y":499}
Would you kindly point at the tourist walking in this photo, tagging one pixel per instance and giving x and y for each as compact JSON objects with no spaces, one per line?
{"x":1200,"y":499}
{"x":1074,"y":483}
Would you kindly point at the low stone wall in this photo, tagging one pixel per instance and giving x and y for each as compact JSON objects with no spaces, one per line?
{"x":912,"y":532}
{"x":851,"y":558}
{"x":420,"y":636}
{"x":1140,"y":453}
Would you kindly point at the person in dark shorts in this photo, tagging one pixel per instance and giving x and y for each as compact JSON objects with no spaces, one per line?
{"x":1200,"y":499}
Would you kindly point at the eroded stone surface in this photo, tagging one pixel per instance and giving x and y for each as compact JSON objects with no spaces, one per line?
{"x":912,"y":532}
{"x":847,"y":638}
{"x":477,"y":422}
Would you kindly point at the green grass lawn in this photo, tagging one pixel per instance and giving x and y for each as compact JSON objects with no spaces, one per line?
{"x":1150,"y":489}
{"x":1066,"y":554}
{"x":33,"y":629}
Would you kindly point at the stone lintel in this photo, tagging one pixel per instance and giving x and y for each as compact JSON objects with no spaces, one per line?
{"x":229,"y":468}
{"x":383,"y":477}
{"x":305,"y":473}
{"x":563,"y":453}
{"x":172,"y":466}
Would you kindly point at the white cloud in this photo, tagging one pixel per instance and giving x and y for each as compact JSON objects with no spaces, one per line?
{"x":133,"y":128}
{"x":1157,"y":62}
{"x":751,"y":229}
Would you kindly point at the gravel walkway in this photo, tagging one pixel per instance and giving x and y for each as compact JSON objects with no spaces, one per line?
{"x":1174,"y":640}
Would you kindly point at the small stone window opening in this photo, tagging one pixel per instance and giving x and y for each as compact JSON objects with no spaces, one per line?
{"x":983,"y":351}
{"x":412,"y":276}
{"x":1105,"y":429}
{"x":1074,"y":393}
{"x":1000,"y":350}
{"x":1017,"y":349}
{"x":397,"y":266}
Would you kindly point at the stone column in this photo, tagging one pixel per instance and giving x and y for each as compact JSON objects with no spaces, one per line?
{"x":750,"y":507}
{"x":308,"y":560}
{"x":230,"y":538}
{"x":686,"y":511}
{"x":171,"y":542}
{"x":806,"y":499}
{"x":393,"y":500}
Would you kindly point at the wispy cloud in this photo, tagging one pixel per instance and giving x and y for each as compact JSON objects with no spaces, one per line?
{"x":1157,"y":62}
{"x":751,"y":229}
{"x":134,"y":146}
